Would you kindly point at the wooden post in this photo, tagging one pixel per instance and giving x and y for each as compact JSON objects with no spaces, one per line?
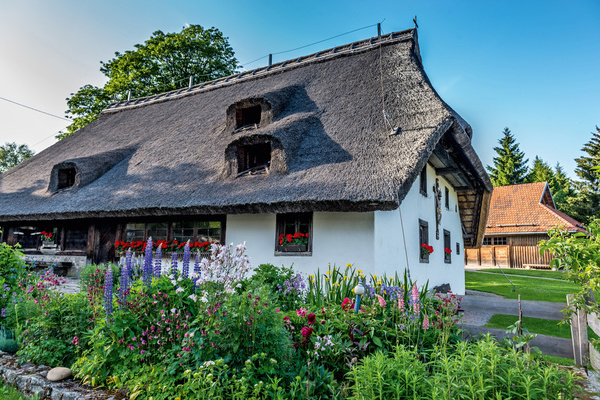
{"x":579,"y":334}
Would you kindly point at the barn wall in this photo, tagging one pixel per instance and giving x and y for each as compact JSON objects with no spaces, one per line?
{"x":520,"y":250}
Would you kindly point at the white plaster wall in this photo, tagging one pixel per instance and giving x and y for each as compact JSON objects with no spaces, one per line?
{"x":337,"y":238}
{"x":389,"y":243}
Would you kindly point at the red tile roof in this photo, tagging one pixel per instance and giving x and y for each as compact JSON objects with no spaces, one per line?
{"x":526,"y":208}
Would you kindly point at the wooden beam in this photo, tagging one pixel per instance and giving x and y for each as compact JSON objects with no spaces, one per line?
{"x":447,"y":171}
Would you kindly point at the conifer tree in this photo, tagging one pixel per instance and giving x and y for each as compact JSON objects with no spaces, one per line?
{"x":510,"y":167}
{"x":563,"y":191}
{"x":540,"y":172}
{"x":587,"y":203}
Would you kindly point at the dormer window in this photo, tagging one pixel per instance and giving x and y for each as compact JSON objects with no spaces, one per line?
{"x":66,"y":178}
{"x":254,"y":159}
{"x":248,"y":116}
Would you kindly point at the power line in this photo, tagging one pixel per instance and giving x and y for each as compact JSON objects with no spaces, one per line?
{"x":34,"y":109}
{"x":311,"y":44}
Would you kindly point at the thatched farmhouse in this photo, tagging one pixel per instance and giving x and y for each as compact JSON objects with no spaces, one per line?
{"x":351,"y":150}
{"x":520,"y":216}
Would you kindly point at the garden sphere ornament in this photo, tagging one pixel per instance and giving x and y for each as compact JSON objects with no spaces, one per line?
{"x":359,"y":290}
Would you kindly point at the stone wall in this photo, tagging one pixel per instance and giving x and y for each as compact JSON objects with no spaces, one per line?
{"x":78,"y":262}
{"x":31,"y":380}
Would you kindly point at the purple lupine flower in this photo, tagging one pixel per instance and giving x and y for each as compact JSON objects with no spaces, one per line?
{"x":197,"y":269}
{"x":158,"y":262}
{"x":174,"y":266}
{"x":186,"y":259}
{"x":125,"y":271}
{"x":147,"y":271}
{"x":3,"y":313}
{"x":108,"y":294}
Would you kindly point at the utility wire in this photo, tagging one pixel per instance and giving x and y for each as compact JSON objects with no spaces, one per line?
{"x":311,"y":44}
{"x":34,"y":109}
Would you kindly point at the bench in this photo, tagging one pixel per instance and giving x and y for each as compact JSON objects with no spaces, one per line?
{"x":538,"y":266}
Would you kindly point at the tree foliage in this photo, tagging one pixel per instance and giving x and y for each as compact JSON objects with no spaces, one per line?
{"x":12,"y":154}
{"x":579,"y":255}
{"x":540,"y":172}
{"x":587,"y":203}
{"x":510,"y":167}
{"x":162,"y":63}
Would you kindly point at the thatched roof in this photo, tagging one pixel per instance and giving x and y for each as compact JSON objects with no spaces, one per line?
{"x":332,"y":147}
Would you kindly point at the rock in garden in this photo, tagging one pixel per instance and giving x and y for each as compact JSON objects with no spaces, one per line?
{"x":58,"y":374}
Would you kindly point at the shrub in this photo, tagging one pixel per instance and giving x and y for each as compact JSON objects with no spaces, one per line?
{"x":287,"y":288}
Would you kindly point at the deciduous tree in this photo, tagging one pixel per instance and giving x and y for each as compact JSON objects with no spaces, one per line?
{"x":162,"y":63}
{"x":12,"y":154}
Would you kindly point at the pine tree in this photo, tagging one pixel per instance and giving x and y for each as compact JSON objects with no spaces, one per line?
{"x":509,"y":167}
{"x":563,"y":191}
{"x":587,"y":203}
{"x":540,"y":172}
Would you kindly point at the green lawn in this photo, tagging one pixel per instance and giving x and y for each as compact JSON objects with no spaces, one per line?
{"x":528,"y":287}
{"x":528,"y":272}
{"x":535,"y":325}
{"x":556,"y":360}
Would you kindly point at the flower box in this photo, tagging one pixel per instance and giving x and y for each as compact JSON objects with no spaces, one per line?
{"x":293,"y":248}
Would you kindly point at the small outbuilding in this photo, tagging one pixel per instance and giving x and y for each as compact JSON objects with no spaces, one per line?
{"x":347,"y":155}
{"x":520,"y":217}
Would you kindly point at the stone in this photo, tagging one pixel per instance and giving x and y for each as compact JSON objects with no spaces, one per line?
{"x":445,"y":288}
{"x":58,"y":374}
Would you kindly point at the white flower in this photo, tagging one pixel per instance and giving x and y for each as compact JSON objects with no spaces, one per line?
{"x":173,"y":310}
{"x":179,"y":279}
{"x":179,"y":290}
{"x":239,"y":286}
{"x":204,"y":299}
{"x":193,"y":297}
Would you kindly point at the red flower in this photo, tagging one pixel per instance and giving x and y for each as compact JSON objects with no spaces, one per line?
{"x":311,"y":318}
{"x":447,"y":250}
{"x":289,"y":237}
{"x":306,"y":332}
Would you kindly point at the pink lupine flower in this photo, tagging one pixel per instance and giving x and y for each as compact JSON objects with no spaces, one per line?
{"x":382,"y":302}
{"x":426,"y":322}
{"x":401,"y":303}
{"x":415,"y":292}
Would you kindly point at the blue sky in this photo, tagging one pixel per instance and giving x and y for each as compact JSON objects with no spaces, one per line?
{"x":531,"y":66}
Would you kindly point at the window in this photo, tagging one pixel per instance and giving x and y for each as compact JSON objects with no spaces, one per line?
{"x":254,"y":159}
{"x":457,"y":248}
{"x":447,"y":199}
{"x":209,"y":231}
{"x":487,"y":241}
{"x":66,"y":178}
{"x":423,"y":181}
{"x":247,"y":116}
{"x":135,"y":232}
{"x":157,"y":231}
{"x":28,"y":237}
{"x":182,"y":231}
{"x":294,"y":233}
{"x":423,"y":239}
{"x":76,"y":238}
{"x":500,"y":241}
{"x":447,"y":247}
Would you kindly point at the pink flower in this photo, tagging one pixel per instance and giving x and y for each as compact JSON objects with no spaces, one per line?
{"x":301,"y":312}
{"x":415,"y":292}
{"x":311,"y":318}
{"x":426,"y":322}
{"x":382,"y":302}
{"x":400,"y":303}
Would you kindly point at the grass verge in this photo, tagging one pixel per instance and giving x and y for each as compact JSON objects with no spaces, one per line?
{"x":534,"y":325}
{"x":556,"y":360}
{"x":528,"y":287}
{"x":547,"y":327}
{"x":528,"y":272}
